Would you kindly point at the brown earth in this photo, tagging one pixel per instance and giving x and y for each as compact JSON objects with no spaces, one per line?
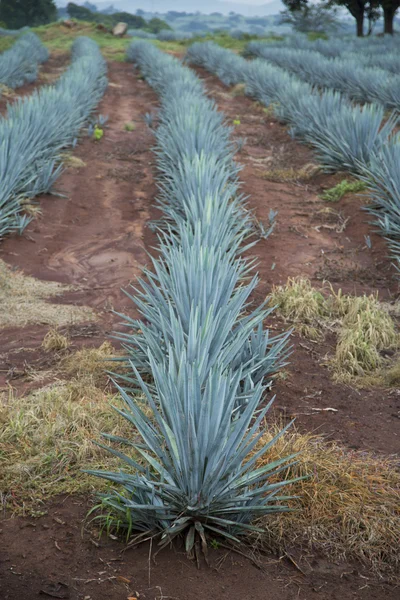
{"x":55,"y":554}
{"x":97,"y":238}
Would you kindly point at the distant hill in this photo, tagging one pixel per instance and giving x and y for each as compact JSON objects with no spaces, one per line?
{"x":204,"y":6}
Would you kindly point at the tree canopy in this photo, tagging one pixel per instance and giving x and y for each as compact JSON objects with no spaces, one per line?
{"x":21,"y":13}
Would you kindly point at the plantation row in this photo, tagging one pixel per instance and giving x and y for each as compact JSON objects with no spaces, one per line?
{"x":371,"y":52}
{"x":346,"y":136}
{"x":206,"y":352}
{"x":38,"y":127}
{"x":345,"y":75}
{"x":19,"y":64}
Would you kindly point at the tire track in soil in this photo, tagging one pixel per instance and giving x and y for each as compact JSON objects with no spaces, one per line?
{"x":97,"y":237}
{"x":306,"y":243}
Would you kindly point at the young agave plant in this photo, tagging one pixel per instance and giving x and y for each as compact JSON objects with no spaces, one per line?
{"x":201,"y":475}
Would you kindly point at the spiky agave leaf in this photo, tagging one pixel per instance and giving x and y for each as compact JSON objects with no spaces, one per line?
{"x":201,"y":462}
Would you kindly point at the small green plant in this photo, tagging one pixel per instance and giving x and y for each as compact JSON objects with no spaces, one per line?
{"x":337,"y":192}
{"x":236,"y":121}
{"x":130,"y":126}
{"x":98,"y":133}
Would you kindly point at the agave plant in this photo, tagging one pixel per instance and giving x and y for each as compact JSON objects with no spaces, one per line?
{"x":201,"y":474}
{"x":363,"y":84}
{"x":38,"y":127}
{"x":201,"y":347}
{"x":19,"y":64}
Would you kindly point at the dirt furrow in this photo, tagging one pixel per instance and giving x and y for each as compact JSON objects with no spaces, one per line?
{"x":97,"y":236}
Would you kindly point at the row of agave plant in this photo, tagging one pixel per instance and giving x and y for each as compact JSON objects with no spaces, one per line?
{"x":379,"y":52}
{"x":361,"y":83}
{"x":20,"y":63}
{"x":12,"y":32}
{"x":40,"y":126}
{"x":346,"y":136}
{"x":200,"y":356}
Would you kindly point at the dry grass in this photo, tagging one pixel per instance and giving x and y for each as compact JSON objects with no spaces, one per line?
{"x":23,"y":302}
{"x":291,"y":175}
{"x":7,"y":92}
{"x":301,"y":304}
{"x":238,"y":90}
{"x":365,"y":331}
{"x":348,"y":508}
{"x":54,"y":341}
{"x":74,"y":162}
{"x":46,"y":439}
{"x":363,"y":325}
{"x":92,"y":363}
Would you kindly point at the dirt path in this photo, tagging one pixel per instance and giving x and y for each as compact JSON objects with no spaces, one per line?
{"x":95,"y":238}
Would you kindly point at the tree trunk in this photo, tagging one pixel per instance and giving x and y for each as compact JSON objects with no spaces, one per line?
{"x":388,"y":16}
{"x":360,"y":25}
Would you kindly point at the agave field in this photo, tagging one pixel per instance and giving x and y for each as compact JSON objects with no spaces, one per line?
{"x":200,"y":347}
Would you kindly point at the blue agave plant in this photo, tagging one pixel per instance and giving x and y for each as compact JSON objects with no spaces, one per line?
{"x":200,"y":346}
{"x":38,"y":127}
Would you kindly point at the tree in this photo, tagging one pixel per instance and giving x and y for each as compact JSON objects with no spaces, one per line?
{"x":307,"y":18}
{"x":295,"y":5}
{"x":155,"y":25}
{"x":21,"y":13}
{"x":359,"y":9}
{"x":373,"y":13}
{"x":389,"y":10}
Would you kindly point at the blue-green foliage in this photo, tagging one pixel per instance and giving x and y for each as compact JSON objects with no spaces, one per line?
{"x":371,"y":51}
{"x":140,"y":33}
{"x":12,"y":32}
{"x":19,"y":64}
{"x":346,"y":136}
{"x":382,"y":175}
{"x":168,"y":35}
{"x":205,"y":348}
{"x":362,"y":83}
{"x":38,"y":127}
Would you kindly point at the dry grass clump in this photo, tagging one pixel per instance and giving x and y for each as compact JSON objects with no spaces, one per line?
{"x":92,"y":363}
{"x":365,"y":331}
{"x":348,"y":508}
{"x":69,"y":160}
{"x":46,"y":439}
{"x":291,"y":175}
{"x":238,"y":90}
{"x":54,"y":341}
{"x":363,"y":325}
{"x":23,"y":302}
{"x":301,"y":304}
